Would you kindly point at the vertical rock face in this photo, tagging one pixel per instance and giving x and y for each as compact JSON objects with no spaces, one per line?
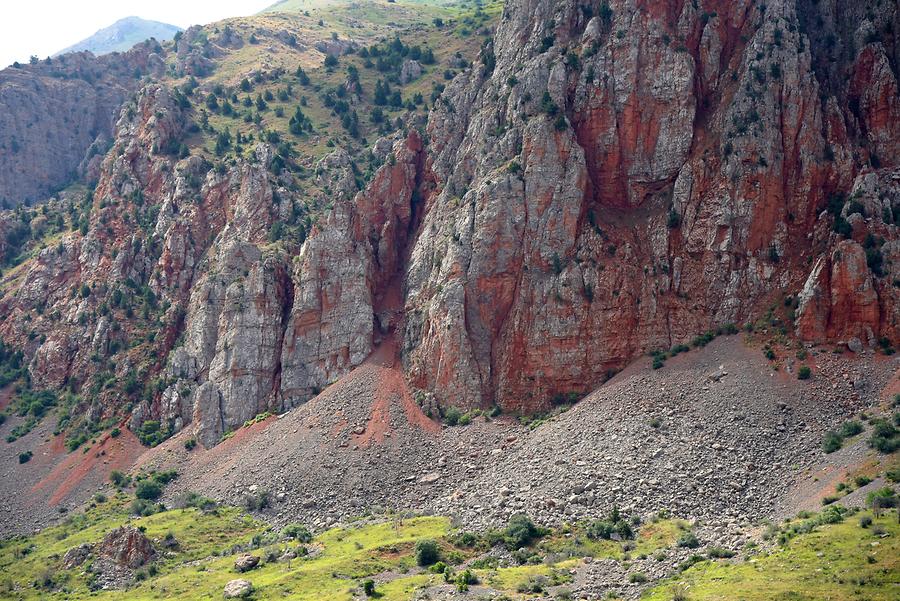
{"x":343,"y":274}
{"x":57,"y":117}
{"x":615,"y":178}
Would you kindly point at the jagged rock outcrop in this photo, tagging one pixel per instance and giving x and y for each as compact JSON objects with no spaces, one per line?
{"x":57,"y":116}
{"x":126,"y":546}
{"x":617,"y":178}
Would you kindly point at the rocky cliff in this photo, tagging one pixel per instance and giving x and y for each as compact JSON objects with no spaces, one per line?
{"x":606,"y":180}
{"x":615,"y":178}
{"x":57,"y":117}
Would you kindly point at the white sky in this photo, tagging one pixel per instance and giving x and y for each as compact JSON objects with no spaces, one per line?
{"x":43,"y":27}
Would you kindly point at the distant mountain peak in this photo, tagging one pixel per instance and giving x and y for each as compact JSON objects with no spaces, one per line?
{"x":122,"y":35}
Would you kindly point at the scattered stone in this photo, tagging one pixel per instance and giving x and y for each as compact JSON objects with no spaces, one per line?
{"x":238,"y":589}
{"x":246,"y":562}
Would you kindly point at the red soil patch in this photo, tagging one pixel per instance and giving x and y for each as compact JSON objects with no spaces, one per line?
{"x":109,"y":454}
{"x":392,"y":388}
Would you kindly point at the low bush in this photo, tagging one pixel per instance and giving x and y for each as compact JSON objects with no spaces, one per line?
{"x":804,"y":373}
{"x":614,"y":524}
{"x":720,"y":553}
{"x":297,"y":532}
{"x":427,"y":552}
{"x":688,"y":540}
{"x":25,"y":457}
{"x":832,"y":442}
{"x":851,"y":428}
{"x":464,"y":579}
{"x":257,"y":501}
{"x":883,"y":498}
{"x":143,"y":508}
{"x":452,"y":416}
{"x":369,"y":588}
{"x":861,"y":480}
{"x":148,"y":490}
{"x":192,"y":499}
{"x":885,"y":437}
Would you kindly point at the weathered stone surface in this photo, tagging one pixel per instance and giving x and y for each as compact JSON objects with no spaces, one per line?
{"x":614,"y":194}
{"x":76,"y":556}
{"x":238,"y":589}
{"x":127,"y":547}
{"x":245,"y":563}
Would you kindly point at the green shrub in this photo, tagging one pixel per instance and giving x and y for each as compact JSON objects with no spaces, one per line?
{"x":882,"y":498}
{"x":119,"y":479}
{"x":142,"y":507}
{"x":115,"y":432}
{"x":637,"y":578}
{"x":148,"y":490}
{"x":25,"y":457}
{"x":465,"y":539}
{"x":192,"y":499}
{"x":832,"y":442}
{"x":851,"y":428}
{"x":521,"y":531}
{"x":614,"y":523}
{"x":720,"y":553}
{"x":865,"y":521}
{"x":804,"y":373}
{"x":452,"y":416}
{"x":164,"y":477}
{"x":190,"y":443}
{"x":152,"y":433}
{"x":464,"y":579}
{"x":688,"y":540}
{"x":297,"y":532}
{"x":861,"y":481}
{"x":427,"y":552}
{"x":369,"y":588}
{"x":885,"y":437}
{"x":257,"y":501}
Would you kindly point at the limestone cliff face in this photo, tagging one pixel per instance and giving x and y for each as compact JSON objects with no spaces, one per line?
{"x":57,"y":117}
{"x":617,"y":177}
{"x":610,"y":179}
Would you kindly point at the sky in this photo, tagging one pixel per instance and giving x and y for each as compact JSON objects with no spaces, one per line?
{"x":43,"y":27}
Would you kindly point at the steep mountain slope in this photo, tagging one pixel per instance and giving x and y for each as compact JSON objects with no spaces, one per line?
{"x":605,"y":180}
{"x":122,"y":35}
{"x":57,"y":117}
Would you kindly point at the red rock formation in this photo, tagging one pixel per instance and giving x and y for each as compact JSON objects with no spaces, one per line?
{"x":603,"y":184}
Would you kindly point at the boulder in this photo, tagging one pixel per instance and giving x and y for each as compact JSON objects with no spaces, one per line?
{"x":238,"y":589}
{"x":245,"y":563}
{"x":76,"y":556}
{"x":126,"y":546}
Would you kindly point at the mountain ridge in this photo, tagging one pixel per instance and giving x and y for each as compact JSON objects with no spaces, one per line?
{"x":123,"y":35}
